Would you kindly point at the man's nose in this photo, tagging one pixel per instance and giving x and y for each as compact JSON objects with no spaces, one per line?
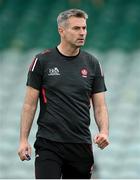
{"x":82,"y":31}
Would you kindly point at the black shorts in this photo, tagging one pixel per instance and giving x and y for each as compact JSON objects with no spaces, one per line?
{"x":55,"y":160}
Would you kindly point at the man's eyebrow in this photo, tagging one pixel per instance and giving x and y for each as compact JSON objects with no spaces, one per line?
{"x":79,"y":26}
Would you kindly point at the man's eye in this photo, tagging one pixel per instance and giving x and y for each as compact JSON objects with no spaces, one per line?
{"x":76,"y":28}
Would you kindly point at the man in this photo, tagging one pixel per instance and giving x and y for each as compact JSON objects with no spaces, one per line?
{"x":64,"y":78}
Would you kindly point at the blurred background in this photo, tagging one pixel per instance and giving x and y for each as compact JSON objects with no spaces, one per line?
{"x":28,"y":27}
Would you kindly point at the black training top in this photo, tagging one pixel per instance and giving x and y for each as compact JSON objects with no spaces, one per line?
{"x":66,"y":85}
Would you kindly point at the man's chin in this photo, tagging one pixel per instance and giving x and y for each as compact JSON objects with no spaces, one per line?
{"x":80,"y":44}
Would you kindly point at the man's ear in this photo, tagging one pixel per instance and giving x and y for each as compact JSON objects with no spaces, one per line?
{"x":61,"y":31}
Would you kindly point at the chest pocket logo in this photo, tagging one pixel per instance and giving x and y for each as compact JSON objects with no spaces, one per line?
{"x":84,"y":72}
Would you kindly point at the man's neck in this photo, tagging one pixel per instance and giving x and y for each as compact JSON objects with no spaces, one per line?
{"x":68,"y":51}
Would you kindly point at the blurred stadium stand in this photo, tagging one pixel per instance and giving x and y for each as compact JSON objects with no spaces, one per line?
{"x":26,"y":27}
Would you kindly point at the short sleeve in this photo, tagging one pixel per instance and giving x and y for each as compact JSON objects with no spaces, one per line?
{"x":98,"y":81}
{"x":34,"y":78}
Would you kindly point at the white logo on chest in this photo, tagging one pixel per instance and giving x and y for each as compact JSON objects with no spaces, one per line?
{"x":54,"y":72}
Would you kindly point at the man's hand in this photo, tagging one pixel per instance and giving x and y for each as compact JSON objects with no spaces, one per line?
{"x":101,"y":140}
{"x":24,"y":151}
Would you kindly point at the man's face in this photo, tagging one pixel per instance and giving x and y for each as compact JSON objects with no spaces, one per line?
{"x":74,"y":32}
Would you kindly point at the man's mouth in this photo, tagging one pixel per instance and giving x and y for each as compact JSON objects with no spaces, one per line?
{"x":81,"y":39}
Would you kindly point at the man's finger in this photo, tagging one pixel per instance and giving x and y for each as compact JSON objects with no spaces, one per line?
{"x":103,"y":145}
{"x":102,"y":141}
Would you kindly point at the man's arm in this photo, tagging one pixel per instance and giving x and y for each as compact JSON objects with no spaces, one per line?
{"x":27,"y":116}
{"x":101,"y":118}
